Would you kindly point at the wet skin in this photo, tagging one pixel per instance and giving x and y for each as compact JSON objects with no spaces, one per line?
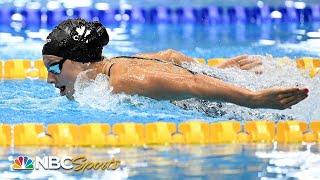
{"x":166,"y":81}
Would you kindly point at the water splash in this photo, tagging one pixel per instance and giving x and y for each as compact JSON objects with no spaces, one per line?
{"x":281,"y":72}
{"x":97,"y":94}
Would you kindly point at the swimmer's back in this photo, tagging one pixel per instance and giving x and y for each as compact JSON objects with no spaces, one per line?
{"x":125,"y":64}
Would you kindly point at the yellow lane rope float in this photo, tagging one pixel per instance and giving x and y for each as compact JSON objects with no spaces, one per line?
{"x":22,"y":69}
{"x":159,"y":133}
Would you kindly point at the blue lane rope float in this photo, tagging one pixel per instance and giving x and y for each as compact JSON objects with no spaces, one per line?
{"x":33,"y":17}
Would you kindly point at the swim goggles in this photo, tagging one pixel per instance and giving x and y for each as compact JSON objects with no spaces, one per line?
{"x":56,"y":68}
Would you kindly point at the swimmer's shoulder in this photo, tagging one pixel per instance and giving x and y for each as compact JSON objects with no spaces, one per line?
{"x":107,"y":64}
{"x":110,"y":63}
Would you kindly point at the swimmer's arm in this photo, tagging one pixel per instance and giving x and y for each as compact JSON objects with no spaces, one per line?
{"x":169,"y":86}
{"x":169,"y":55}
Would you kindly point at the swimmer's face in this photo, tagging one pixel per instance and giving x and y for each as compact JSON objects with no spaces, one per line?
{"x":67,"y":76}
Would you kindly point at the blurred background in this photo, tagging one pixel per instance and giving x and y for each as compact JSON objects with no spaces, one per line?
{"x":199,"y":28}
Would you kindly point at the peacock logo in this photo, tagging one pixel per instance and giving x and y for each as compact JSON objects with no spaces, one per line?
{"x":22,"y":163}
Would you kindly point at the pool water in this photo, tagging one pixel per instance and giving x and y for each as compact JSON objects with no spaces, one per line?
{"x":206,"y":41}
{"x":20,"y":99}
{"x":180,"y":162}
{"x":37,"y":101}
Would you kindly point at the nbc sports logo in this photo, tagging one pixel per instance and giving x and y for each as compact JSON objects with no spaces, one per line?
{"x":22,"y":163}
{"x":67,"y":163}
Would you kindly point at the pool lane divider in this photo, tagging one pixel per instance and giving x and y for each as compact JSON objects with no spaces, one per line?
{"x":28,"y":69}
{"x":159,"y":133}
{"x":22,"y":69}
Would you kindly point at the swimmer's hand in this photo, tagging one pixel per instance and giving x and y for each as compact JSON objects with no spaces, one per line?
{"x":279,"y":98}
{"x":244,"y":62}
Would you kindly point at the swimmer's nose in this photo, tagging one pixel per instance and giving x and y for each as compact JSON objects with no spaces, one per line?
{"x":51,"y":78}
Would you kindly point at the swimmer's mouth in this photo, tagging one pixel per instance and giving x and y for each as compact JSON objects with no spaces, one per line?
{"x":62,"y":90}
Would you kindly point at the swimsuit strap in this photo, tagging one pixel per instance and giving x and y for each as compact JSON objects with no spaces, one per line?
{"x":154,"y":59}
{"x":109,"y":65}
{"x":136,"y":57}
{"x":110,"y":69}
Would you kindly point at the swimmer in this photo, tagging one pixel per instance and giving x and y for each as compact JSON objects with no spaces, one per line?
{"x":75,"y":46}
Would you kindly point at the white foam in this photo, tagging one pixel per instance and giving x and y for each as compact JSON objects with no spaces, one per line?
{"x":98,"y":94}
{"x":280,"y":72}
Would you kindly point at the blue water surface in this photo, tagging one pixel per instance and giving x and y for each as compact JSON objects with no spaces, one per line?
{"x":37,"y":101}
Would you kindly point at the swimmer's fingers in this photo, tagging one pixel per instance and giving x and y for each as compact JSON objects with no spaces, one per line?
{"x":238,"y":58}
{"x":235,"y":60}
{"x":232,"y":62}
{"x":280,"y":98}
{"x":288,"y":95}
{"x":249,"y":60}
{"x":245,"y":61}
{"x":291,"y":98}
{"x":293,"y":91}
{"x":288,"y":102}
{"x":251,"y":65}
{"x":296,"y":101}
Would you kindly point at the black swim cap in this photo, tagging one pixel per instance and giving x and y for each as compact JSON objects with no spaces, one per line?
{"x":77,"y":40}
